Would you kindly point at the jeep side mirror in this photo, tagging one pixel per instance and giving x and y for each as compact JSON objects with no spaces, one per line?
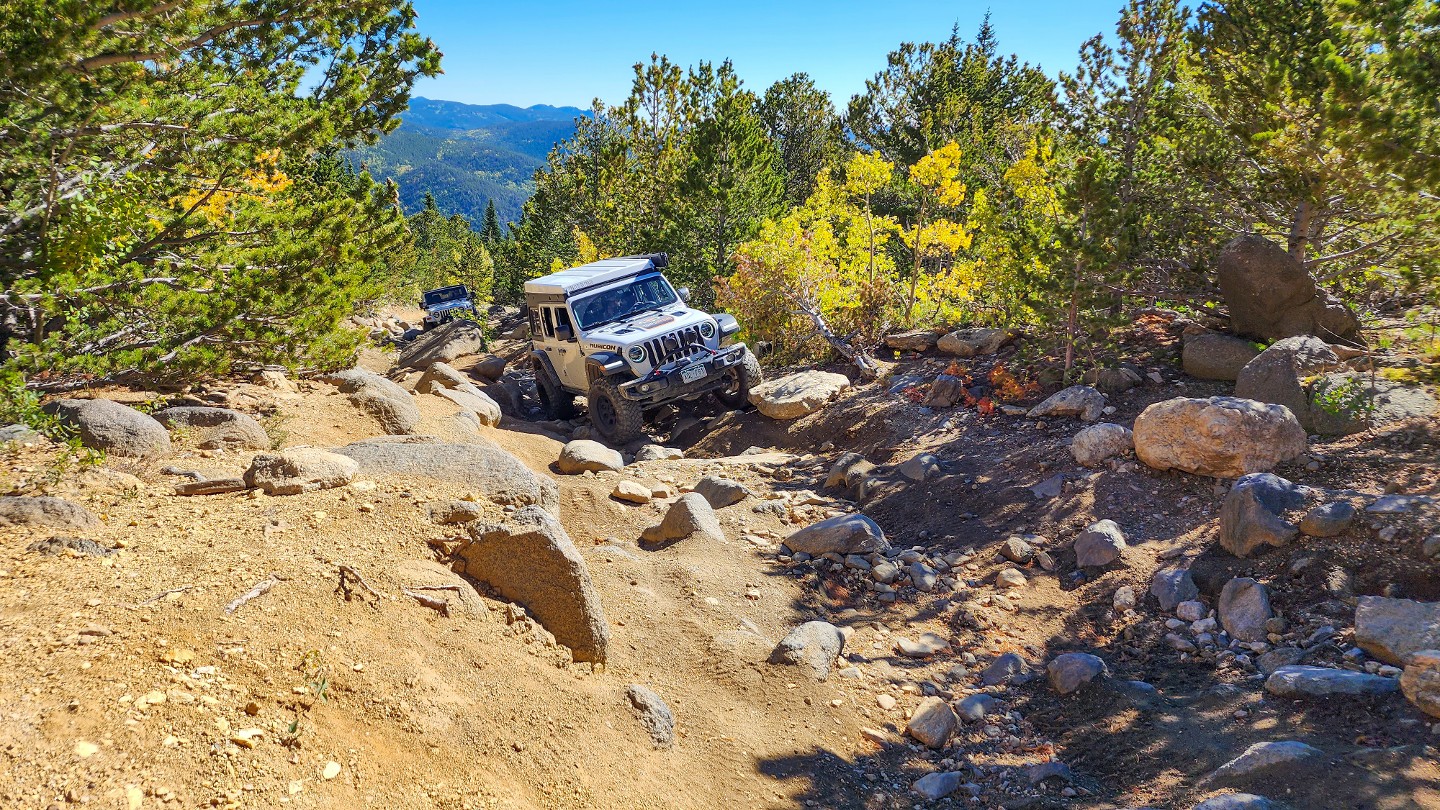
{"x":684,"y":293}
{"x":564,"y":333}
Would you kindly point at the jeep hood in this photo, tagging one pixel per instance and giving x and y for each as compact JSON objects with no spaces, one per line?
{"x":646,"y":325}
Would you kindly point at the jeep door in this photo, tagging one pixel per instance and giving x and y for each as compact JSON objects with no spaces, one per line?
{"x":562,"y":346}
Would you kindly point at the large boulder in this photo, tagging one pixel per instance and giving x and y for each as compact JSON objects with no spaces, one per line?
{"x":443,"y":344}
{"x":1214,"y":356}
{"x":1260,"y":758}
{"x":490,"y":471}
{"x":721,"y":492}
{"x":586,"y":455}
{"x":813,"y":646}
{"x":113,"y":428}
{"x":1093,"y":445}
{"x":1112,"y":380}
{"x":1279,"y":375}
{"x":45,"y":511}
{"x":797,"y":395}
{"x":1392,"y":629}
{"x":973,"y":342}
{"x":532,"y":561}
{"x":1252,"y":514}
{"x":1270,"y":295}
{"x":1300,"y":681}
{"x":915,"y":340}
{"x":1076,"y":402}
{"x":300,"y":469}
{"x":392,"y":406}
{"x":216,"y":428}
{"x":690,"y":516}
{"x":1421,"y":681}
{"x":843,"y":534}
{"x":442,"y":380}
{"x":1223,"y":437}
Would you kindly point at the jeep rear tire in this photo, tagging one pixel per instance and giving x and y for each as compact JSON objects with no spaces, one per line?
{"x":743,"y":376}
{"x":617,"y":419}
{"x":556,"y":402}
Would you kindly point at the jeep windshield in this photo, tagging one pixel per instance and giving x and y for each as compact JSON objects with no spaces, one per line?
{"x":645,"y":293}
{"x":446,"y":295}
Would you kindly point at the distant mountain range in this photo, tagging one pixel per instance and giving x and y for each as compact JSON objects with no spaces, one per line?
{"x":468,"y":154}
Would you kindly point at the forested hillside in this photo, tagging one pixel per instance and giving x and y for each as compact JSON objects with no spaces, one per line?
{"x":466,"y":155}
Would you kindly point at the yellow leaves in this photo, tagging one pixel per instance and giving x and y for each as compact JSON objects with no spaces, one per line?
{"x":938,"y":173}
{"x":867,"y":173}
{"x":585,"y":249}
{"x":260,"y":184}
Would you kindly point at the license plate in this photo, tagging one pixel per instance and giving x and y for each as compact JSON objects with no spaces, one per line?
{"x":690,"y":374}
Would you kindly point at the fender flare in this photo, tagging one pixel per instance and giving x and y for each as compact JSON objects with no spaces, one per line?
{"x":604,"y":364}
{"x":543,"y":365}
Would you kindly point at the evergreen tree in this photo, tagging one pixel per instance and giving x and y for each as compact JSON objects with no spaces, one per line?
{"x":490,"y":231}
{"x":800,"y":120}
{"x":168,"y":205}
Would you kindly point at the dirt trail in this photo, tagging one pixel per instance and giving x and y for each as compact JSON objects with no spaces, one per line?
{"x":124,"y":682}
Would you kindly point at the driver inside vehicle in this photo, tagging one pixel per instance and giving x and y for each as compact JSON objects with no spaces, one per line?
{"x":614,"y":304}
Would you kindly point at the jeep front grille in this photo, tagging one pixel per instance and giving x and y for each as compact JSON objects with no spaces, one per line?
{"x":673,"y":346}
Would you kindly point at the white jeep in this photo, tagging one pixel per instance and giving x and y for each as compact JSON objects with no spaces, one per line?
{"x":616,"y":332}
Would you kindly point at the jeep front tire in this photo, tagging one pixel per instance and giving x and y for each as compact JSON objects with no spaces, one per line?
{"x":617,"y":419}
{"x":743,"y":376}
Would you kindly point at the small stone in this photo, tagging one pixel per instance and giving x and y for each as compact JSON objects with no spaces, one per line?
{"x":1003,"y":669}
{"x":632,"y":492}
{"x":975,"y":707}
{"x":933,"y":723}
{"x":1071,"y":671}
{"x":1244,"y":608}
{"x":886,"y":702}
{"x":84,"y":749}
{"x":1191,"y":611}
{"x":1172,"y":586}
{"x":332,"y":770}
{"x":929,"y":644}
{"x":1016,"y":550}
{"x":1328,"y":520}
{"x":1124,"y":599}
{"x":1100,"y":544}
{"x":1010,"y":578}
{"x":934,"y":786}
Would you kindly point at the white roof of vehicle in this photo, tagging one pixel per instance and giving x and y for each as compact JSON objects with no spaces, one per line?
{"x":588,"y":275}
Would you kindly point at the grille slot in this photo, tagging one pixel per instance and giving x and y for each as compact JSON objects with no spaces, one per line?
{"x":667,"y":348}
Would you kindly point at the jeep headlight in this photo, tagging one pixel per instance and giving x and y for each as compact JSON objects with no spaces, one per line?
{"x":707,"y":329}
{"x":636,"y":354}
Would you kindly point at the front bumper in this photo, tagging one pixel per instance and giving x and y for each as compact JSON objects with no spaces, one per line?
{"x":667,"y":383}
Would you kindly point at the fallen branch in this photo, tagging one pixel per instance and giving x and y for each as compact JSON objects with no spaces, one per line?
{"x":261,"y":588}
{"x":859,"y":356}
{"x":152,"y":600}
{"x":348,"y":577}
{"x":455,"y":588}
{"x":441,"y":605}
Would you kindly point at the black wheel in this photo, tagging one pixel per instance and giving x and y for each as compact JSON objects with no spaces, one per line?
{"x":617,"y":419}
{"x":554,"y":400}
{"x":743,"y":376}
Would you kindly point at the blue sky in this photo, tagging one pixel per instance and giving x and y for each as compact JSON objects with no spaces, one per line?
{"x":566,"y":52}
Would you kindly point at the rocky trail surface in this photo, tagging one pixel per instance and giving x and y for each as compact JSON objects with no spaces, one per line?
{"x":409,"y":594}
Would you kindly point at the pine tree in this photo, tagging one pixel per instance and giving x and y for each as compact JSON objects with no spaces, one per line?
{"x":169,"y":204}
{"x":490,"y":231}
